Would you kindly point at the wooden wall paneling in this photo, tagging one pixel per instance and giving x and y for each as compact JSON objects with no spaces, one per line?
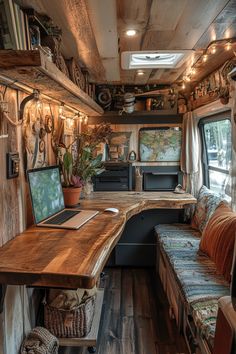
{"x":20,"y":304}
{"x":9,"y":218}
{"x":13,"y":319}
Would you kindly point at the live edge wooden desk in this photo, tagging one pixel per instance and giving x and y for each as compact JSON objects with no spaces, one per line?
{"x":72,"y":259}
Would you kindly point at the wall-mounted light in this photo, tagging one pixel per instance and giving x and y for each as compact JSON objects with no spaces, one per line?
{"x":131,"y":32}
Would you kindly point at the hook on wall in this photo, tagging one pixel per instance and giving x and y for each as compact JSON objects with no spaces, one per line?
{"x":34,"y":95}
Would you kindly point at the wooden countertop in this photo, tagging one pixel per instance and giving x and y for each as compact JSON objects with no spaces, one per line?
{"x":74,"y":258}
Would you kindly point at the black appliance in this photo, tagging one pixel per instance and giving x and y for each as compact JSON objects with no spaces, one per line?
{"x":161,"y":178}
{"x":116,"y":177}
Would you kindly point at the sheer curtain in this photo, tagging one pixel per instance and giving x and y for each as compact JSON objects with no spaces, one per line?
{"x":233,"y":164}
{"x":191,"y":154}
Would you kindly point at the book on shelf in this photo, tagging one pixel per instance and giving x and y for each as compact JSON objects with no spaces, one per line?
{"x":14,"y":27}
{"x":8,"y":25}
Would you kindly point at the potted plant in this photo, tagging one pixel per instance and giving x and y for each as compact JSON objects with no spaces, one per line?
{"x":89,"y":162}
{"x":71,"y":183}
{"x":79,"y":167}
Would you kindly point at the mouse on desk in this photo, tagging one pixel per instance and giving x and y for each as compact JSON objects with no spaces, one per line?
{"x":112,"y":210}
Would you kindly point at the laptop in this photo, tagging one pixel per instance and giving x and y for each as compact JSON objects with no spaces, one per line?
{"x":48,"y":201}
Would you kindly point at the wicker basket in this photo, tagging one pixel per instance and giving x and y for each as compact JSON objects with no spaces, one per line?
{"x":70,"y":323}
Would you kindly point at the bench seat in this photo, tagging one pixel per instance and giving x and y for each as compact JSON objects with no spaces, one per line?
{"x":198,"y":285}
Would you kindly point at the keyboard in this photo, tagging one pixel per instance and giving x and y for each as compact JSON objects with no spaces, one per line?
{"x":62,"y":217}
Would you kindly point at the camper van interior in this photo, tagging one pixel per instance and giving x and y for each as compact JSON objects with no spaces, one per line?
{"x":118,"y":176}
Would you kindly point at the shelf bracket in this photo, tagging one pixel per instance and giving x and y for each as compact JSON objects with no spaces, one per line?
{"x":3,"y":288}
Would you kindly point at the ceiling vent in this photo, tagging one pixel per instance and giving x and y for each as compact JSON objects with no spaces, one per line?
{"x":162,"y":59}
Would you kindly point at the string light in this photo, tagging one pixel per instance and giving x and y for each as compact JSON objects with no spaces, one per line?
{"x":61,"y":111}
{"x":226,"y":43}
{"x":213,"y":50}
{"x":228,"y":46}
{"x":183,"y":86}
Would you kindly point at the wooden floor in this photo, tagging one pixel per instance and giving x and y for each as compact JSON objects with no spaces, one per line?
{"x":135,"y":317}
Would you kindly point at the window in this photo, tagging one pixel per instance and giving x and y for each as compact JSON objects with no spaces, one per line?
{"x":216,"y":137}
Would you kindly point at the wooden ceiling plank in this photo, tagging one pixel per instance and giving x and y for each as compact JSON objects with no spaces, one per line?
{"x":131,"y":14}
{"x":105,"y":28}
{"x":142,"y":79}
{"x":165,"y":14}
{"x":196,"y":18}
{"x":154,"y":40}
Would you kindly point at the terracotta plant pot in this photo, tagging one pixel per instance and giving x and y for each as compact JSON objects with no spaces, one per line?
{"x":71,"y":196}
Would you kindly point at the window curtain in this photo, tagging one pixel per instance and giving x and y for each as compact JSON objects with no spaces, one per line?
{"x":190,"y":162}
{"x":233,"y":163}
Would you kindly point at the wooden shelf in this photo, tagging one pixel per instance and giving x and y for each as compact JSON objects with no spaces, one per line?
{"x":138,"y":117}
{"x":34,"y":69}
{"x":155,"y":163}
{"x":91,"y":339}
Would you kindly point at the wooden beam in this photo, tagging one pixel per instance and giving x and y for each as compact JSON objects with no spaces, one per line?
{"x":33,"y":69}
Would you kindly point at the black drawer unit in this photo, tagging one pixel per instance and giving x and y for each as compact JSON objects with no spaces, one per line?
{"x":117,"y":177}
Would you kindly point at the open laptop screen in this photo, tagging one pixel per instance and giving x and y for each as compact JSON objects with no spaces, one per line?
{"x":46,"y":192}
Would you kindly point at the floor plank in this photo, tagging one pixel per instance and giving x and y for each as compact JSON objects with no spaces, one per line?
{"x":135,"y":317}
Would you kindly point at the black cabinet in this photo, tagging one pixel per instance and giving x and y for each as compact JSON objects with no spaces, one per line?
{"x":137,"y":245}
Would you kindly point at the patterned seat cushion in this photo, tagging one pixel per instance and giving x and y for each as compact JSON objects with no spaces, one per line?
{"x":204,"y":315}
{"x":196,"y":275}
{"x":207,"y":202}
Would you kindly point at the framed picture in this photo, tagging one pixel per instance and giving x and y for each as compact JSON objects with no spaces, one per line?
{"x":160,"y":144}
{"x":118,"y":146}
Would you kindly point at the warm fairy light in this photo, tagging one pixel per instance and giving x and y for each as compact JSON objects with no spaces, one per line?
{"x":183,"y":86}
{"x":39,"y":105}
{"x":213,"y":50}
{"x":61,"y":109}
{"x":228,"y":46}
{"x":131,"y":32}
{"x":70,"y":122}
{"x":188,"y":78}
{"x":204,"y":58}
{"x":140,"y":73}
{"x":193,"y":71}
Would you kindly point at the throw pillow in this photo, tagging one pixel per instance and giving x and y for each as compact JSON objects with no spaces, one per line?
{"x":218,"y":237}
{"x":207,"y":201}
